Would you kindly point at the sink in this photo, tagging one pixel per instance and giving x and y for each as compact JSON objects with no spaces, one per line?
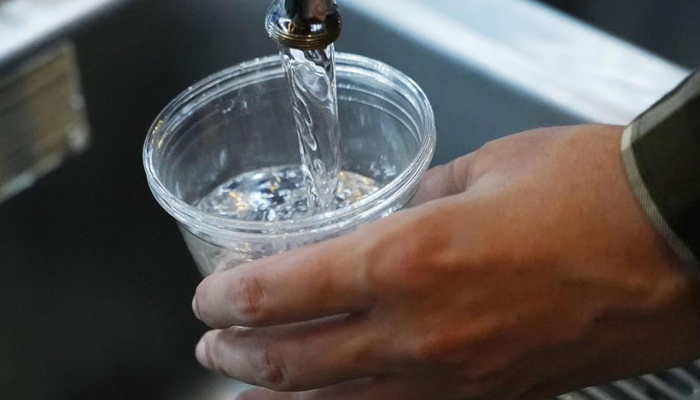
{"x":489,"y":68}
{"x":667,"y":28}
{"x":95,"y":281}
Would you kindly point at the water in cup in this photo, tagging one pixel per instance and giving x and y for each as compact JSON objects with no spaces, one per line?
{"x":317,"y":183}
{"x":278,"y":194}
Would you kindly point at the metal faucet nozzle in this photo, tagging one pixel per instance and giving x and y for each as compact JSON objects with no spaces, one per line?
{"x":303,"y":24}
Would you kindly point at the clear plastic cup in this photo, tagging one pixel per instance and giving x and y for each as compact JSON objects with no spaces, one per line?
{"x":241,"y":120}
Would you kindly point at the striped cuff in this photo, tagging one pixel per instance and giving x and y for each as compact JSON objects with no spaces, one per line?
{"x":661,"y":154}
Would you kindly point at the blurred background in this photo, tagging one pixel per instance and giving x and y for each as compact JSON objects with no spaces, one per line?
{"x":95,"y":281}
{"x":662,"y":27}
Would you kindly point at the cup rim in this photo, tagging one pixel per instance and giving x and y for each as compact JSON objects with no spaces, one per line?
{"x":366,"y":208}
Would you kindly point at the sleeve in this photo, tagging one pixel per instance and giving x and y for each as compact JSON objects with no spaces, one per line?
{"x":661,"y":155}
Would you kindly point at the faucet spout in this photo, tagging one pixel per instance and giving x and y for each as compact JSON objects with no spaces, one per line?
{"x":303,"y":24}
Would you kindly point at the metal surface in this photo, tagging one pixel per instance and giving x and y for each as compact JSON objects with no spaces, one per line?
{"x":303,"y":24}
{"x":25,"y":24}
{"x":674,"y":384}
{"x":42,"y":117}
{"x":666,"y":28}
{"x":552,"y":56}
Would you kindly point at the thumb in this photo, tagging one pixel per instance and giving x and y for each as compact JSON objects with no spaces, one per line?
{"x":444,"y":180}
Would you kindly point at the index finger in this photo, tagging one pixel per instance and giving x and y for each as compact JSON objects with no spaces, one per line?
{"x":317,"y":281}
{"x":443,"y":181}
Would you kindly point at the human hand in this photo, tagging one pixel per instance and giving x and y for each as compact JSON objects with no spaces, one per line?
{"x":525,"y":270}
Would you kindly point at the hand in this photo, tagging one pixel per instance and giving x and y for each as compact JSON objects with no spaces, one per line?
{"x":528,"y":270}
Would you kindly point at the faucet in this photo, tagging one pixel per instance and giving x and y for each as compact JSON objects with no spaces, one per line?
{"x":303,"y":24}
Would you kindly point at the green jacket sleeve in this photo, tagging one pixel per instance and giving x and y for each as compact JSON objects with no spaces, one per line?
{"x":661,"y":154}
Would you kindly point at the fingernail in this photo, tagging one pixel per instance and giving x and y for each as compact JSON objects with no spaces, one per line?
{"x":195,"y":309}
{"x":201,"y":353}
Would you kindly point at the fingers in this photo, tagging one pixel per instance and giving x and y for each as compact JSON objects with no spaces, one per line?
{"x":315,"y":282}
{"x":294,"y":357}
{"x":404,"y":388}
{"x":443,"y":181}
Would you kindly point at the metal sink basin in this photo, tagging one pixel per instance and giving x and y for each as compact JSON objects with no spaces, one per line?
{"x":95,"y":281}
{"x":667,"y":28}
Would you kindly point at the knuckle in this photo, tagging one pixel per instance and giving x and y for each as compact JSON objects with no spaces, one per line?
{"x":248,"y":299}
{"x":457,"y":173}
{"x":270,"y":371}
{"x":214,"y":357}
{"x":199,"y":306}
{"x":406,"y":267}
{"x":433,"y":349}
{"x":450,"y":352}
{"x":375,"y":273}
{"x":467,"y":354}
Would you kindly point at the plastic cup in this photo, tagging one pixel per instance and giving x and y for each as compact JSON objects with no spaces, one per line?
{"x":241,"y":120}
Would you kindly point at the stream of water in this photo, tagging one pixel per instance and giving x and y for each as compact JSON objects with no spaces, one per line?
{"x":317,"y":183}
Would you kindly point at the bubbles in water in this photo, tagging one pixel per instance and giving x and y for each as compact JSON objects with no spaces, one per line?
{"x":278,"y":194}
{"x":317,"y":184}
